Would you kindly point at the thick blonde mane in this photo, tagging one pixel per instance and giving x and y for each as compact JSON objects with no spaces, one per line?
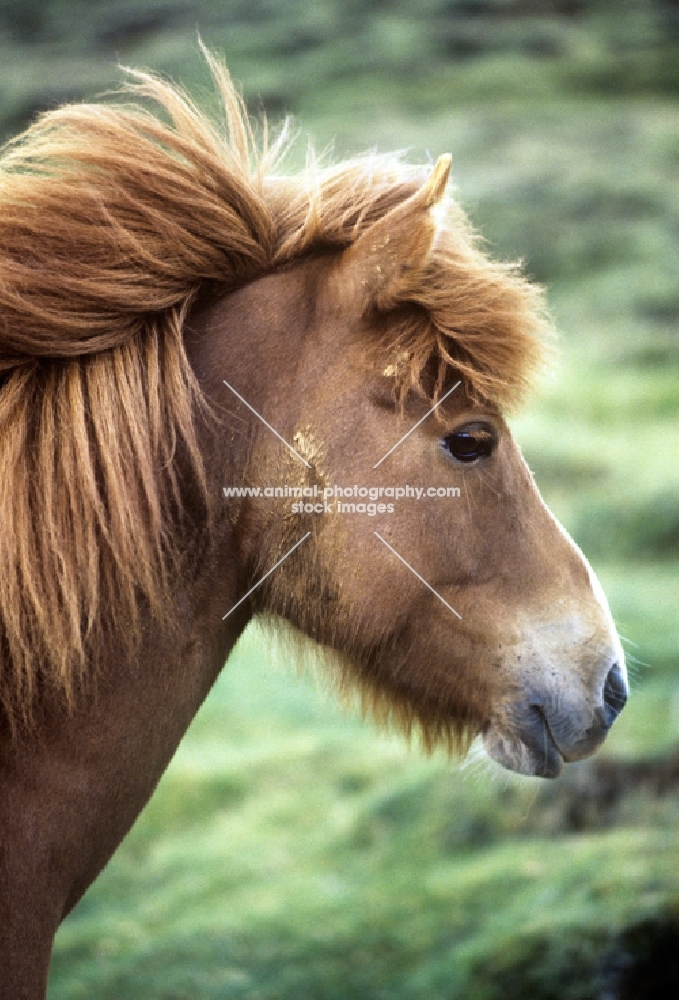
{"x":112,"y":220}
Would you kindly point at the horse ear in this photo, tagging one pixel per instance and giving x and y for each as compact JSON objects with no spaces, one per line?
{"x":388,"y":257}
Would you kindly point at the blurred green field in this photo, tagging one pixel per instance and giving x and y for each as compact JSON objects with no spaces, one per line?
{"x":291,"y":850}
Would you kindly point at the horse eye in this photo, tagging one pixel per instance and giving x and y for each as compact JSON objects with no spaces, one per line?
{"x":471,"y":442}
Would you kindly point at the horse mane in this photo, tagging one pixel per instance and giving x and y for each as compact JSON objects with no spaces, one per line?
{"x":114,"y":217}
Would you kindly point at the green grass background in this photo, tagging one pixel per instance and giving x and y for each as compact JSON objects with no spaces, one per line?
{"x":291,"y":850}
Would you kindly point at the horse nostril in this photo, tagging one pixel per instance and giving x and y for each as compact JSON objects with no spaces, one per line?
{"x":615,"y":694}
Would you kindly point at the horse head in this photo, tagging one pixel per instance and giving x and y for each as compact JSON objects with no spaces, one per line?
{"x":383,"y":365}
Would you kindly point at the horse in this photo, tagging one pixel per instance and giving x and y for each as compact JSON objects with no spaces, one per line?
{"x":179,"y":320}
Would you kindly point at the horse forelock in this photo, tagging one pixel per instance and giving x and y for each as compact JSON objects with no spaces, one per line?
{"x":462,"y":314}
{"x":112,"y":220}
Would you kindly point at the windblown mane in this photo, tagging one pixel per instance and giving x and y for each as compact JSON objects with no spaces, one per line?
{"x":112,"y":220}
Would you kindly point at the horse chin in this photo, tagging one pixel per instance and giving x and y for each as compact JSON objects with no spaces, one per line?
{"x":531,"y":752}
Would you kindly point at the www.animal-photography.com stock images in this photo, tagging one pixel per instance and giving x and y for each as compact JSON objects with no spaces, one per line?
{"x":339,"y":499}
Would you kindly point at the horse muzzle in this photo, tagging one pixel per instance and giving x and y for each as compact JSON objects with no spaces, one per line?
{"x":539,"y":734}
